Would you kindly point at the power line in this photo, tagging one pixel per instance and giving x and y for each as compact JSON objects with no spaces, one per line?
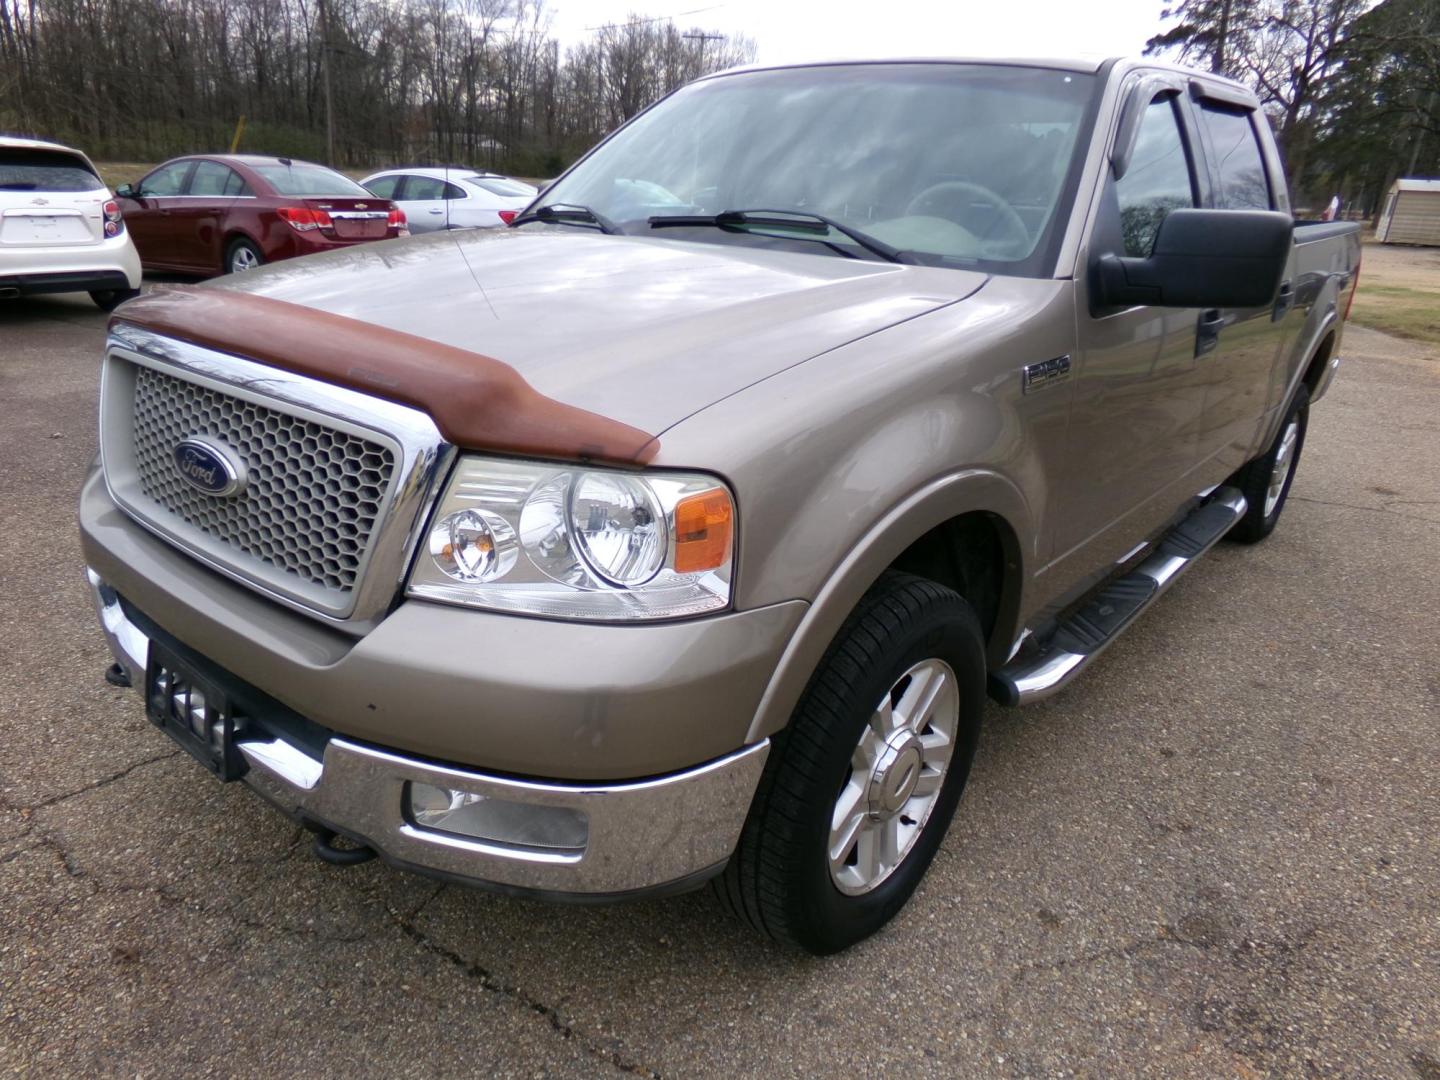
{"x":653,"y":18}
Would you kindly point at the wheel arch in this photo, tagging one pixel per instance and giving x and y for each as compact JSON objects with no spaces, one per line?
{"x":971,"y":531}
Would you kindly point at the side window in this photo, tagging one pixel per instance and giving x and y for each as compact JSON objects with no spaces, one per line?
{"x":424,"y":189}
{"x":1236,"y":151}
{"x":1158,"y":179}
{"x":212,"y":178}
{"x":454,"y":191}
{"x":166,"y":180}
{"x":384,"y":187}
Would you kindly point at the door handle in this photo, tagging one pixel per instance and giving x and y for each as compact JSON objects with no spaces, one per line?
{"x":434,"y":211}
{"x":1207,"y":331}
{"x":1284,"y":301}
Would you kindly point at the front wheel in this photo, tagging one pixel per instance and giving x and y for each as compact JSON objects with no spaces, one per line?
{"x":242,"y":255}
{"x":860,"y":788}
{"x":1265,"y":482}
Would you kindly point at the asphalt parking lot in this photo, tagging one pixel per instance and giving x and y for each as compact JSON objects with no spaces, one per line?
{"x":1215,"y":856}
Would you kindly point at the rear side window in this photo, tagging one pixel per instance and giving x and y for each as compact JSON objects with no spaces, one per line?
{"x":212,"y":178}
{"x":430,"y":189}
{"x":302,"y":179}
{"x":1158,"y":179}
{"x":384,"y":187}
{"x":44,"y":170}
{"x":1239,"y":168}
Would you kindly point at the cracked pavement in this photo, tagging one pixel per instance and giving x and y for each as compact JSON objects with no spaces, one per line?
{"x":1216,"y":855}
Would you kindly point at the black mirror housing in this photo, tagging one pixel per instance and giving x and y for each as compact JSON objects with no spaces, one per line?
{"x":127,"y":191}
{"x":1202,"y":259}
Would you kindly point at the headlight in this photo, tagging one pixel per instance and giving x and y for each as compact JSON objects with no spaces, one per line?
{"x":578,"y":543}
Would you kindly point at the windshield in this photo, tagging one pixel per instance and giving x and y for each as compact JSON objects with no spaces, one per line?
{"x":45,"y":170}
{"x":308,"y":180}
{"x":952,"y":164}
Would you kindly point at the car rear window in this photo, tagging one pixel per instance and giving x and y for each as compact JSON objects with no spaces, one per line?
{"x":308,"y":180}
{"x":497,"y":186}
{"x":44,"y":170}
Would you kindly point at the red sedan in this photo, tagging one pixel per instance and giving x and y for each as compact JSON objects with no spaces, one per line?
{"x":223,"y":213}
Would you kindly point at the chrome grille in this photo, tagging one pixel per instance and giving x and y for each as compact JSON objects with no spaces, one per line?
{"x":314,"y":493}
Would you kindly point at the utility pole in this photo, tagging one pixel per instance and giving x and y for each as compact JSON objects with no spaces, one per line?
{"x":325,"y":78}
{"x":703,"y":38}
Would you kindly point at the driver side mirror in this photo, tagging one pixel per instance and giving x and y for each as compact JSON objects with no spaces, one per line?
{"x":1202,"y":259}
{"x":127,"y":191}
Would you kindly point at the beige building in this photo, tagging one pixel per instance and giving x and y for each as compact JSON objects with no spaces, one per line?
{"x":1412,"y":214}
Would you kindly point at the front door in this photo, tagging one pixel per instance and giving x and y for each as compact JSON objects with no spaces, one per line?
{"x":147,"y":213}
{"x":1139,"y":391}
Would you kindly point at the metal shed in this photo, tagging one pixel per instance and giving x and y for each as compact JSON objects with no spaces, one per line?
{"x":1412,"y":214}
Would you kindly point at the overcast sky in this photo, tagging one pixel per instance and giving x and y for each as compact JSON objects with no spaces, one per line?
{"x":789,"y":30}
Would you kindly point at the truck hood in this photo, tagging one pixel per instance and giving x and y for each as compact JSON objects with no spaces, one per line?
{"x":642,"y":331}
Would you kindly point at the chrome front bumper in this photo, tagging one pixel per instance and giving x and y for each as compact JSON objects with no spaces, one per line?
{"x":639,"y":837}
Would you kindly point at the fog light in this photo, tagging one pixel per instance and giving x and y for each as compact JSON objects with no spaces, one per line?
{"x":499,"y":821}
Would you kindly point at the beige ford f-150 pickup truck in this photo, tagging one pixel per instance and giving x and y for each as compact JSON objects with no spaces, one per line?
{"x":678,"y":532}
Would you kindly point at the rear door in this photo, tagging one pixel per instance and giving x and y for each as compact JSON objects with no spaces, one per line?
{"x":1138,"y":393}
{"x":1240,"y":363}
{"x":197,"y":218}
{"x":148,"y":214}
{"x":48,"y":198}
{"x":423,"y":200}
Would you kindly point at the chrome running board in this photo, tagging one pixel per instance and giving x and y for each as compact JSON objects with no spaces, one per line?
{"x":1084,"y":635}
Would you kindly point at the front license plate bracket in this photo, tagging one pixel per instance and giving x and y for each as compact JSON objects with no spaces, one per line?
{"x":194,"y":711}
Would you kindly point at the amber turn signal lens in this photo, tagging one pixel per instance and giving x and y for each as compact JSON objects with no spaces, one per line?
{"x":702,"y":531}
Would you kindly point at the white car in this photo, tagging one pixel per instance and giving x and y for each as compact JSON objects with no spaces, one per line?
{"x":61,"y":229}
{"x":451,"y":198}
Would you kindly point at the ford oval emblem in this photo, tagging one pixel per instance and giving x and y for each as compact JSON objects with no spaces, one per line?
{"x":208,"y":467}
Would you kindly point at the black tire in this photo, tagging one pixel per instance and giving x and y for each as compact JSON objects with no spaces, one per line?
{"x":780,"y":878}
{"x":110,"y":299}
{"x":241,"y":251}
{"x":1255,"y":479}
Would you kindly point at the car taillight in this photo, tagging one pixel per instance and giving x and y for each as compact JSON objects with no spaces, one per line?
{"x":114,"y":220}
{"x":399,"y":223}
{"x":303,"y":219}
{"x":507,"y":216}
{"x":1354,"y":288}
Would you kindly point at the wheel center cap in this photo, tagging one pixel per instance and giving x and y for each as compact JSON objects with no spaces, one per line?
{"x":896,"y":772}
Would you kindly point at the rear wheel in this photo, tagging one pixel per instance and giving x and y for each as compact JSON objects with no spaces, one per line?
{"x":860,"y":788}
{"x":110,"y":299}
{"x":242,"y":255}
{"x":1266,"y":481}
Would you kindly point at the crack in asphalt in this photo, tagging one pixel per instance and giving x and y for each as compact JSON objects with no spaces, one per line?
{"x":56,"y":799}
{"x":1385,"y":509}
{"x":489,"y":981}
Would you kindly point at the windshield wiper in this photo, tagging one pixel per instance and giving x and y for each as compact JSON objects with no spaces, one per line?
{"x":796,"y":220}
{"x":569,"y":214}
{"x":19,"y":185}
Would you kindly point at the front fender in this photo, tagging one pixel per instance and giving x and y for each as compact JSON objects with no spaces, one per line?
{"x":932,"y":505}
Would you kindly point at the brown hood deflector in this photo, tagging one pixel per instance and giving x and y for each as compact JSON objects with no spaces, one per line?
{"x":477,"y":402}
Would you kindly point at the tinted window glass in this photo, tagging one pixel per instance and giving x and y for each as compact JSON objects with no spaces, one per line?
{"x":44,"y":170}
{"x":212,"y":178}
{"x":300,"y":178}
{"x":166,"y":180}
{"x":423,"y":189}
{"x":1158,"y":179}
{"x":1241,"y":169}
{"x":384,"y":187}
